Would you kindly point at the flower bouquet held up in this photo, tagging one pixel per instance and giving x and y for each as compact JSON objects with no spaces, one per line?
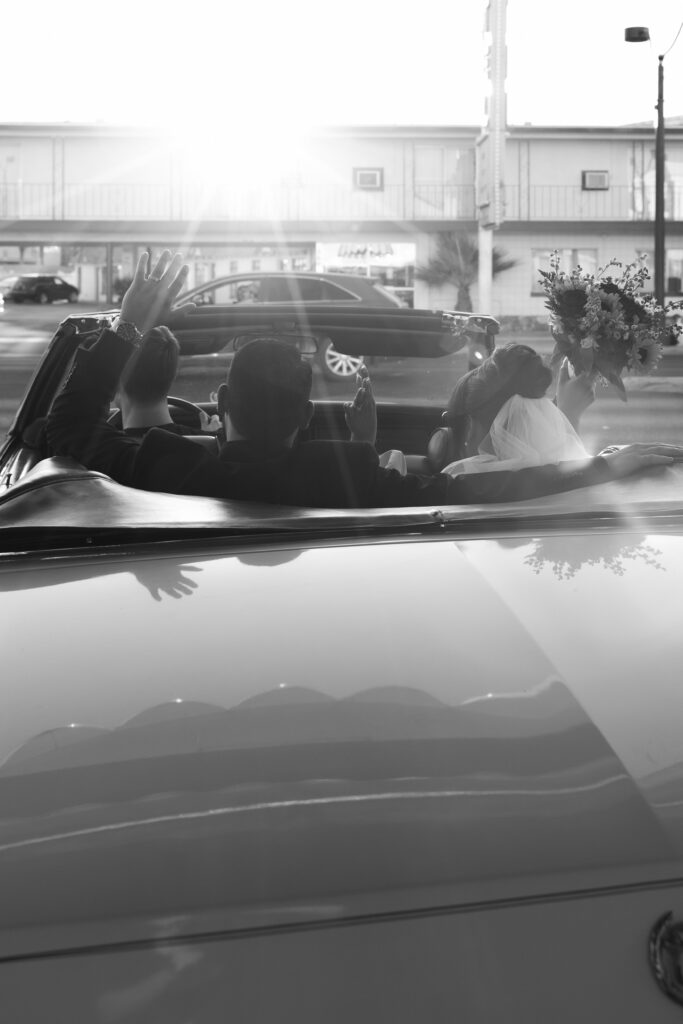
{"x":603,"y":324}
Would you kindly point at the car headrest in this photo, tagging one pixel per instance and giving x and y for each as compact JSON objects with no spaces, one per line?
{"x":207,"y":441}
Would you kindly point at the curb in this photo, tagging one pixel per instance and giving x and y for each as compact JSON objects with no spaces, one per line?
{"x":671,"y":385}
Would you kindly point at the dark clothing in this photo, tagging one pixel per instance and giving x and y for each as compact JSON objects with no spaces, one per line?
{"x":332,"y":474}
{"x":173,"y":428}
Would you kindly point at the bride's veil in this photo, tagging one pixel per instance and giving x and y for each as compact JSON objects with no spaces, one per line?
{"x":525,"y":432}
{"x":532,"y":429}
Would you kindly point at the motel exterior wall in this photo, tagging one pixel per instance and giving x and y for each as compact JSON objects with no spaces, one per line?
{"x":123,"y":189}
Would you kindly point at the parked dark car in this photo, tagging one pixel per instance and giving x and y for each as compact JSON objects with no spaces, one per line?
{"x":281,"y":287}
{"x":6,"y":284}
{"x":41,"y":288}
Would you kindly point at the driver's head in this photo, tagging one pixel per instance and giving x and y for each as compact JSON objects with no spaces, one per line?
{"x":149,"y":373}
{"x":267,"y":395}
{"x":478,"y":396}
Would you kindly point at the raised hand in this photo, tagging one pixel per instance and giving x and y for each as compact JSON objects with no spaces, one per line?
{"x":148,"y":301}
{"x":574,"y":394}
{"x":361,"y":414}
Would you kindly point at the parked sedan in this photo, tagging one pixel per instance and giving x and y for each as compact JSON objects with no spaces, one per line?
{"x":41,"y":288}
{"x":6,"y":283}
{"x":279,"y":288}
{"x":300,"y":764}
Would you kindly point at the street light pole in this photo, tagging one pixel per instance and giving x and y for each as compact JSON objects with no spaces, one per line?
{"x":660,"y":164}
{"x":641,"y":34}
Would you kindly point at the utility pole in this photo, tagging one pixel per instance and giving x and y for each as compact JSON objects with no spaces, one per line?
{"x":490,"y":152}
{"x":660,"y":166}
{"x":641,"y":34}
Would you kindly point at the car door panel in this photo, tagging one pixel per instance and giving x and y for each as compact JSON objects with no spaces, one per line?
{"x":571,"y":960}
{"x":406,"y":428}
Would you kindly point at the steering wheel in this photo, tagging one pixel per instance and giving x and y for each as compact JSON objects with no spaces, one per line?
{"x":182,"y":403}
{"x":114,"y":417}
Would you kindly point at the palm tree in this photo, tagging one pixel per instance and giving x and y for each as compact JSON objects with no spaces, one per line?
{"x":456,"y":262}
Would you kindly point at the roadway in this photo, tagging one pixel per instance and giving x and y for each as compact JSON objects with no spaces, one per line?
{"x":654,"y":410}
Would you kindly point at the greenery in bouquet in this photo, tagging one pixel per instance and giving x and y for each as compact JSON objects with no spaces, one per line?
{"x":604,"y":324}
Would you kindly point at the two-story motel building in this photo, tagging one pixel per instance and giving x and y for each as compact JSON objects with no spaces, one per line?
{"x":89,"y":197}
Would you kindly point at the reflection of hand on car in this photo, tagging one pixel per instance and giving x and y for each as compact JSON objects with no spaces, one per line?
{"x":161,"y":579}
{"x":361,"y":414}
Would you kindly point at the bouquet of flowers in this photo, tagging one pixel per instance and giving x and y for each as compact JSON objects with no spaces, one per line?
{"x":602,"y":323}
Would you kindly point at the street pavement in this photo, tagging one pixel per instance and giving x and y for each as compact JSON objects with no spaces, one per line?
{"x":25,"y":332}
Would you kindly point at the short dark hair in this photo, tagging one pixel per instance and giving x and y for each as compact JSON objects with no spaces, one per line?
{"x":269,"y":386}
{"x":150,"y":372}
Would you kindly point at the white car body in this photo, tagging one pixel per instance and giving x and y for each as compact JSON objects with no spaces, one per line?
{"x":425,"y":779}
{"x":317,"y":765}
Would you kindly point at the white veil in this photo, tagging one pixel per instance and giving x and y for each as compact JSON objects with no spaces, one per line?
{"x":526,"y":432}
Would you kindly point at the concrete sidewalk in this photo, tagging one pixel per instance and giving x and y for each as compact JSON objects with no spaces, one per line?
{"x":544,"y":343}
{"x":670,"y":385}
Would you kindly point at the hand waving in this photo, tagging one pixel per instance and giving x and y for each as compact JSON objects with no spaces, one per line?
{"x":148,"y":301}
{"x":361,"y":414}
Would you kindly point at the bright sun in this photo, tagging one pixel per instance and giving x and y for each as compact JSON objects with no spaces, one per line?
{"x":245,"y":156}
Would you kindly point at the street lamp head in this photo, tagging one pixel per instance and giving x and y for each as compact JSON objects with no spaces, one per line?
{"x":637,"y":34}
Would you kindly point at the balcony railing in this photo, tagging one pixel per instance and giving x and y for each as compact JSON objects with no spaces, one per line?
{"x":195,"y":202}
{"x":569,"y":202}
{"x":306,"y":203}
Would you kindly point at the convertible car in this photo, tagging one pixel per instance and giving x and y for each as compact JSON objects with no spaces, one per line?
{"x":263,"y":763}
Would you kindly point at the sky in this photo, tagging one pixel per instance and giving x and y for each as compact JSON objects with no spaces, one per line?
{"x":276,"y":63}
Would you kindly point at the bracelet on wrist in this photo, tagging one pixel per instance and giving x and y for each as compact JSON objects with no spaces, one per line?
{"x":127,"y":330}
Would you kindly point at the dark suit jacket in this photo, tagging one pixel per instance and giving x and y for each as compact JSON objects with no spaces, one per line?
{"x":332,"y":474}
{"x":173,"y":428}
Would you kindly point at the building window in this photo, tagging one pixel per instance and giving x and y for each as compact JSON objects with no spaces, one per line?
{"x":255,"y":265}
{"x":592,"y":181}
{"x":234,"y":266}
{"x":587,"y":259}
{"x":673,"y":272}
{"x":368,"y":178}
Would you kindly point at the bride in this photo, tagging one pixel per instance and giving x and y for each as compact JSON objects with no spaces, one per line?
{"x":500,"y":417}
